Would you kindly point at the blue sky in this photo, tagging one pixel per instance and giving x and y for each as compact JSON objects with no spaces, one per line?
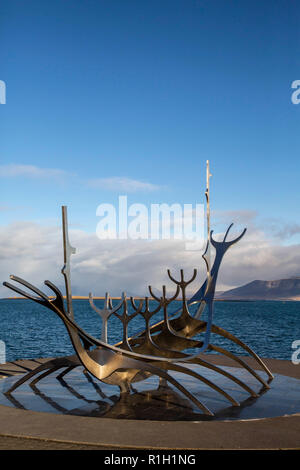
{"x":144,"y":92}
{"x":150,"y":90}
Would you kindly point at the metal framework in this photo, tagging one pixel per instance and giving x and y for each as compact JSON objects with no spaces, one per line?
{"x":160,"y":348}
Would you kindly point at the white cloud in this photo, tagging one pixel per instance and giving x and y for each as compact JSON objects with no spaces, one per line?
{"x":281,"y":230}
{"x":115,"y":183}
{"x":119,"y":183}
{"x":276,"y":229}
{"x":29,"y":171}
{"x":34,"y":252}
{"x":258,"y":257}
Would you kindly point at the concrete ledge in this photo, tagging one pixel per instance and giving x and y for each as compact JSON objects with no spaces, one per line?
{"x":271,"y":433}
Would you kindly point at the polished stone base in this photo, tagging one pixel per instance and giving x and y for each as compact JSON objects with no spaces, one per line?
{"x":79,"y":394}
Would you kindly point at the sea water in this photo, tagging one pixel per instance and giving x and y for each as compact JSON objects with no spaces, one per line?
{"x":31,"y":331}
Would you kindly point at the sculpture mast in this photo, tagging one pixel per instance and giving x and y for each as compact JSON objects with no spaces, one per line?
{"x":207,"y":195}
{"x":68,"y":251}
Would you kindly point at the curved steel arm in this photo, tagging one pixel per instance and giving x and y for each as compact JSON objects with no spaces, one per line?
{"x":56,"y":304}
{"x":139,"y":308}
{"x":42,"y":299}
{"x":225,"y":245}
{"x":182,"y":282}
{"x":105,"y":313}
{"x":164,"y":301}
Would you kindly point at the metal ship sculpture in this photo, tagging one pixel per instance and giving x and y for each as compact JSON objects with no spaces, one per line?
{"x":159,"y":350}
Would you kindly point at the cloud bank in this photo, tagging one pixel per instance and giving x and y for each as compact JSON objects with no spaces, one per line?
{"x":34,"y":252}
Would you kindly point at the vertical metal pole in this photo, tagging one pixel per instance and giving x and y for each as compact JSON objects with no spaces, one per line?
{"x":207,"y":195}
{"x":68,"y":251}
{"x":207,"y":253}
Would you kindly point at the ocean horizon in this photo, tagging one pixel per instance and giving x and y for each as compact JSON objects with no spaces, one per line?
{"x":31,"y":331}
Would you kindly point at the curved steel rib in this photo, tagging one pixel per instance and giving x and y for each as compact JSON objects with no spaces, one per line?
{"x":150,"y":346}
{"x":171,"y":346}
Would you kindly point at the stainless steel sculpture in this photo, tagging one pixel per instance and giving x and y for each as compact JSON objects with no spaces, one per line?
{"x":159,"y":349}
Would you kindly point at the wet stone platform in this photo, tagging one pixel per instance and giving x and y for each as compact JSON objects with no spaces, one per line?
{"x":77,"y":393}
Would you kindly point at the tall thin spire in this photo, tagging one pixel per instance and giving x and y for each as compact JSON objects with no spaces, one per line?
{"x":68,"y":251}
{"x":207,"y":195}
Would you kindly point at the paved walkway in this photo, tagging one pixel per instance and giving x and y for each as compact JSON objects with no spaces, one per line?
{"x":18,"y":443}
{"x":33,"y":430}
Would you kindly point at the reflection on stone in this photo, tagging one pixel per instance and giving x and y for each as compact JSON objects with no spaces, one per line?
{"x":79,"y":394}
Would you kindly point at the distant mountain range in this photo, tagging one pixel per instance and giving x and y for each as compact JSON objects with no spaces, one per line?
{"x":282,"y":289}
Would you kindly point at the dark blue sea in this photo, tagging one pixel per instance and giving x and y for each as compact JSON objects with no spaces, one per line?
{"x":32,"y":331}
